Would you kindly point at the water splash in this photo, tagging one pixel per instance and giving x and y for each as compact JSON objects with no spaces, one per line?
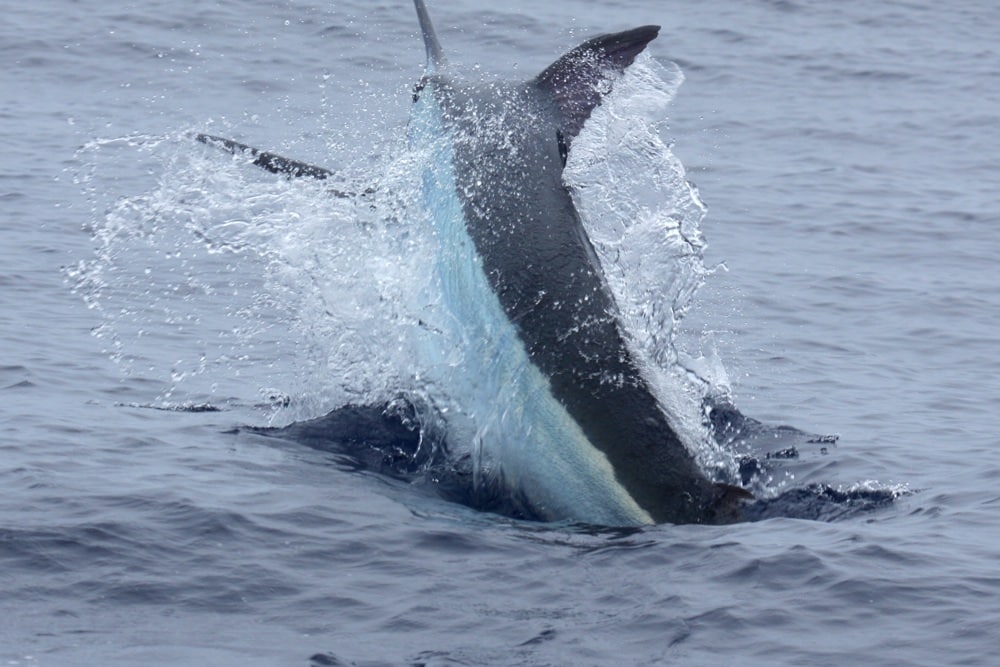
{"x":643,"y":217}
{"x":216,"y":280}
{"x":224,"y":284}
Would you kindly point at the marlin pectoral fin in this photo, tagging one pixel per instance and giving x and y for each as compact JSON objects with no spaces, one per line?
{"x":435,"y":57}
{"x":577,"y":80}
{"x":276,"y":164}
{"x":273,"y":163}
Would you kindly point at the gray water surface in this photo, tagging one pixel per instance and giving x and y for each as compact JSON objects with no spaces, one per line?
{"x":848,"y":156}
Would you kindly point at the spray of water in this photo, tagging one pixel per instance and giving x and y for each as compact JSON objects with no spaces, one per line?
{"x":228,"y":285}
{"x":643,"y":217}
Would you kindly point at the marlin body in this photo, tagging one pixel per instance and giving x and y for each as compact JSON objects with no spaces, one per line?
{"x":574,"y":425}
{"x":550,"y":398}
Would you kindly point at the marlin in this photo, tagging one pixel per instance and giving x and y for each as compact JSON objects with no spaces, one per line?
{"x":577,"y":430}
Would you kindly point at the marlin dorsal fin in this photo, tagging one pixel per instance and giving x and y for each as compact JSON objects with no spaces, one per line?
{"x":435,"y":57}
{"x":573,"y":79}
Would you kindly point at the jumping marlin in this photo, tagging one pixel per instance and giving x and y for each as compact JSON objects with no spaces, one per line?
{"x":582,"y":436}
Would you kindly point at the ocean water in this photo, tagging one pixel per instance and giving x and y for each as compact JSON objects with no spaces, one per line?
{"x":846,"y":154}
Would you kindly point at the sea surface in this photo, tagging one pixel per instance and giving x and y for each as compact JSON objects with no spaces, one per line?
{"x":155,"y":295}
